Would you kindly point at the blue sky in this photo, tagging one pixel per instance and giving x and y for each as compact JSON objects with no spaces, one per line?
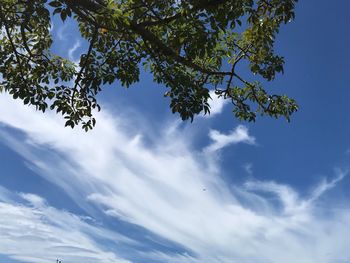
{"x":145,"y":187}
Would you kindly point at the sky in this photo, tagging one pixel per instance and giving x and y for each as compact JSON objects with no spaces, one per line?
{"x":143,"y":186}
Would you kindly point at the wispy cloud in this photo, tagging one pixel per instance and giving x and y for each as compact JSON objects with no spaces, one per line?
{"x":248,"y":167}
{"x":61,"y":31}
{"x":177,"y":193}
{"x":68,"y":42}
{"x":326,"y":185}
{"x":32,"y":231}
{"x":72,"y":50}
{"x":220,"y":140}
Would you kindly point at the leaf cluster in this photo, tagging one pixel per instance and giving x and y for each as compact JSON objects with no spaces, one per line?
{"x":189,"y":46}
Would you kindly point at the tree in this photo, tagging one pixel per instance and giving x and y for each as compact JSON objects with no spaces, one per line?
{"x":189,"y":46}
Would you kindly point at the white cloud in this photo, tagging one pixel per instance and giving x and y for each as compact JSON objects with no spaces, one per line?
{"x":169,"y":189}
{"x":216,"y":104}
{"x":39,"y":233}
{"x":286,"y":195}
{"x":220,"y":140}
{"x":33,"y":199}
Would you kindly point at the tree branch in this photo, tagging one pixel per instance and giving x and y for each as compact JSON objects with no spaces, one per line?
{"x":7,"y":30}
{"x":252,"y":87}
{"x":147,"y":35}
{"x":94,"y":36}
{"x":178,"y":15}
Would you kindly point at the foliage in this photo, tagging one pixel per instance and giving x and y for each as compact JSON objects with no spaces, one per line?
{"x":189,"y":46}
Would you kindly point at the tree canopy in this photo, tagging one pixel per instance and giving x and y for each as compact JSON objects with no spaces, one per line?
{"x":189,"y":46}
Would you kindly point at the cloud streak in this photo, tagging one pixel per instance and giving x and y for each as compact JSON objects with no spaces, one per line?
{"x":32,"y":231}
{"x":72,"y":50}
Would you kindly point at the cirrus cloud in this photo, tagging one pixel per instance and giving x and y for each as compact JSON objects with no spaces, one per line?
{"x":167,"y":188}
{"x":32,"y":231}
